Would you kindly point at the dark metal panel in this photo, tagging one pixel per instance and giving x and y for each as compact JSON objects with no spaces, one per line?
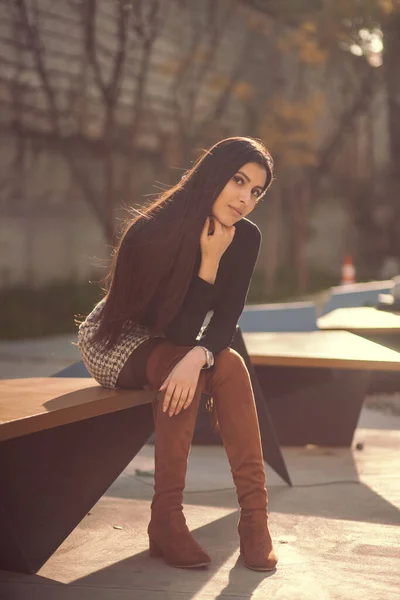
{"x":49,"y":480}
{"x":314,"y":406}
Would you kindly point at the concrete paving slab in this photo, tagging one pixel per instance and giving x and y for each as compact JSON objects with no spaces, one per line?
{"x":334,"y":540}
{"x":336,"y":531}
{"x":37,"y":357}
{"x":375,"y":419}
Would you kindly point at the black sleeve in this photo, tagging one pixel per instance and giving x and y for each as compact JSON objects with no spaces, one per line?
{"x":184,"y":328}
{"x":222,"y":326}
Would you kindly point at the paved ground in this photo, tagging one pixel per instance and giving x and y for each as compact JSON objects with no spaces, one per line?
{"x":336,"y":531}
{"x":37,"y":357}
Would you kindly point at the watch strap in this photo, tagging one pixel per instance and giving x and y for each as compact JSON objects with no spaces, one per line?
{"x":209,"y":358}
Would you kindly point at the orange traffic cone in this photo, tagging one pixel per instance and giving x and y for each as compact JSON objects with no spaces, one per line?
{"x":348,"y":271}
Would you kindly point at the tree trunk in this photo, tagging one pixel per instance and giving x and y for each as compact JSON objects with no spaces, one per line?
{"x":274,"y":232}
{"x":392,"y":72}
{"x":300,"y":232}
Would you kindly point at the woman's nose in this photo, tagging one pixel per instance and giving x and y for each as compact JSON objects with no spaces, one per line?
{"x":244,"y":196}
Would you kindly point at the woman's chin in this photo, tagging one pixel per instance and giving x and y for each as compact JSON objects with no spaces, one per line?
{"x":227,"y":221}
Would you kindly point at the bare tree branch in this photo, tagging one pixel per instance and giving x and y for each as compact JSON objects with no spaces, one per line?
{"x":148,"y":34}
{"x":114,"y":84}
{"x":220,"y":106}
{"x":33,"y":38}
{"x":217,"y":26}
{"x":360,"y":103}
{"x":89,"y":19}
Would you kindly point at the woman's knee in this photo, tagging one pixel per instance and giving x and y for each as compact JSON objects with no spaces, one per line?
{"x":229,"y":361}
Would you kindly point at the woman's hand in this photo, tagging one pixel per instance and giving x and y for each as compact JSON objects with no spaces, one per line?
{"x":181,"y":383}
{"x":213,"y":246}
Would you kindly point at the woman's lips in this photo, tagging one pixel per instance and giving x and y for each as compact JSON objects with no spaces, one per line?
{"x":239,"y":214}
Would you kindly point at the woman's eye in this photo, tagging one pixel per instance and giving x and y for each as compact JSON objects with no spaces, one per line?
{"x":256,"y":193}
{"x":238,"y":179}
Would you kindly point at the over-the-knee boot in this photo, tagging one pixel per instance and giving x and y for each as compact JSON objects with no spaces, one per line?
{"x":231,"y":388}
{"x":169,"y":535}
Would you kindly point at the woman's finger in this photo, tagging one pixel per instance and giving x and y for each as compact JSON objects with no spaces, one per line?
{"x":189,"y":399}
{"x":174,"y":401}
{"x":204,"y":233}
{"x":183,"y":401}
{"x":168,"y":396}
{"x":164,"y":385}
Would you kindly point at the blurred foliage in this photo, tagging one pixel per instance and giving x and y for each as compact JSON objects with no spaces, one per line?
{"x":291,"y":129}
{"x":289,"y":11}
{"x":285,"y":290}
{"x":50,"y":310}
{"x":286,"y":285}
{"x":303,"y":41}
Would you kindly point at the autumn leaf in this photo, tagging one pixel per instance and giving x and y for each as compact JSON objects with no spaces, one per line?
{"x":244,"y":91}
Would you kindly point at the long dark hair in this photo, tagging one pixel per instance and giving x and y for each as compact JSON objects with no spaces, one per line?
{"x":152,"y":264}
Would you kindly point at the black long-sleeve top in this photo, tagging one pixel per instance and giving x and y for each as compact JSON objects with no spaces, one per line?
{"x":226,"y":297}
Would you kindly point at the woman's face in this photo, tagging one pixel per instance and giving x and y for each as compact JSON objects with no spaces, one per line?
{"x":241,"y":193}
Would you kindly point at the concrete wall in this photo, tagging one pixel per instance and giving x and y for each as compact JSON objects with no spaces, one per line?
{"x":47,"y":231}
{"x":37,"y":251}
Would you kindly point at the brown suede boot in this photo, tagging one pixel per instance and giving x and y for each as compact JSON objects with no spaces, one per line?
{"x":231,"y":388}
{"x":169,"y":535}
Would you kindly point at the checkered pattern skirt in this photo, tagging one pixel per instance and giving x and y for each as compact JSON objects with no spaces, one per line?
{"x":105,"y":365}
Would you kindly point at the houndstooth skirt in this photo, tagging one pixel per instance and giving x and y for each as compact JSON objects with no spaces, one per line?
{"x":105,"y":365}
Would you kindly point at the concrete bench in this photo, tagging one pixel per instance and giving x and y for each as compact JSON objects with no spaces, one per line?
{"x":315,"y":382}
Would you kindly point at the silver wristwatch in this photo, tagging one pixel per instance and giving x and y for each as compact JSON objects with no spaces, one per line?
{"x":209,"y":358}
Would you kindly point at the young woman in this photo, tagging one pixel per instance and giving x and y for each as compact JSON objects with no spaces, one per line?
{"x":190,"y":251}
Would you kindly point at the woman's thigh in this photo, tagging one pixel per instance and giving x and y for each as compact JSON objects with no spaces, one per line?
{"x":133,"y":373}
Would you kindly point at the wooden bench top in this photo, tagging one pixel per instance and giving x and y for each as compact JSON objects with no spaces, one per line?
{"x":361,"y":319}
{"x":36,"y":403}
{"x":329,"y":349}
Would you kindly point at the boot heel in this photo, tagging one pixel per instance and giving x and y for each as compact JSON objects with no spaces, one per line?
{"x":155,"y":551}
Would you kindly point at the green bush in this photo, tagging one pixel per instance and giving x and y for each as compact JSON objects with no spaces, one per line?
{"x":27,"y":313}
{"x":286,"y":287}
{"x":51,"y":310}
